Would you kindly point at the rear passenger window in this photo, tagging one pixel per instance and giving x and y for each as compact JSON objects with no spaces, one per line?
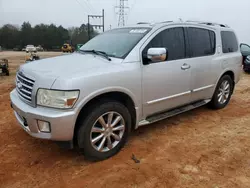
{"x":229,"y":42}
{"x":202,"y":42}
{"x":173,"y":39}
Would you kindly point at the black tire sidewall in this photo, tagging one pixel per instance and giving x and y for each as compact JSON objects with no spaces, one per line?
{"x":83,"y":134}
{"x":215,"y":103}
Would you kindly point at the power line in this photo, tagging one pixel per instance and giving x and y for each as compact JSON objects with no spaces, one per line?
{"x":82,"y":7}
{"x":90,"y":5}
{"x":89,"y":8}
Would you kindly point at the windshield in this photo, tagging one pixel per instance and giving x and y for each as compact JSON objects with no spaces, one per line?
{"x":116,"y":43}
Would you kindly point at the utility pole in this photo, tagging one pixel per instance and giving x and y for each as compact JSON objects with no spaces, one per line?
{"x":121,"y":12}
{"x":97,"y":26}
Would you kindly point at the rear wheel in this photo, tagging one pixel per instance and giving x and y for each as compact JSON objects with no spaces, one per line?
{"x":223,"y":92}
{"x":104,"y":131}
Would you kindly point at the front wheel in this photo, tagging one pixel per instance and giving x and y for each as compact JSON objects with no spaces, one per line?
{"x":104,"y":131}
{"x":223,"y":92}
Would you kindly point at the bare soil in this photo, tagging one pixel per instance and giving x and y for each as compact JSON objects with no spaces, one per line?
{"x":200,"y":148}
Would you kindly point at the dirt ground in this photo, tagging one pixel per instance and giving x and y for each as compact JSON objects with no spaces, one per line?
{"x":200,"y":148}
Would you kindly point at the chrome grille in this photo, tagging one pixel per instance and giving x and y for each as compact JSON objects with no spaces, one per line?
{"x":24,"y":86}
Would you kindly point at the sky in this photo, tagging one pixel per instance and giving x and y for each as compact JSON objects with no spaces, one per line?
{"x":68,"y":13}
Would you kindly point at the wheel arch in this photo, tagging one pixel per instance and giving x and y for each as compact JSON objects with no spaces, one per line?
{"x":227,"y":72}
{"x":122,"y":96}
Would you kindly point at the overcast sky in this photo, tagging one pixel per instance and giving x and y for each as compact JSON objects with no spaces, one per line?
{"x":235,"y":13}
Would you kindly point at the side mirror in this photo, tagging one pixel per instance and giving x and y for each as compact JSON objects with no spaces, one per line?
{"x":245,"y":49}
{"x":157,"y":54}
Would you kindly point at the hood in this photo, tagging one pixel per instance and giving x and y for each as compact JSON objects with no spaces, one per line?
{"x":69,"y":65}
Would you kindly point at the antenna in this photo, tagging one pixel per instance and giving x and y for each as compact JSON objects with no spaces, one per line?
{"x":121,"y":12}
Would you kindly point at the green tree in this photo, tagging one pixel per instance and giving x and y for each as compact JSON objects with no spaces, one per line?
{"x":80,"y":35}
{"x":9,"y":36}
{"x":26,"y":34}
{"x":48,"y":36}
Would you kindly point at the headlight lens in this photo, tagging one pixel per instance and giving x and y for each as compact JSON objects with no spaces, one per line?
{"x":56,"y":98}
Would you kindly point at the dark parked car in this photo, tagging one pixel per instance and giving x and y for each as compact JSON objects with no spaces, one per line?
{"x":245,"y":51}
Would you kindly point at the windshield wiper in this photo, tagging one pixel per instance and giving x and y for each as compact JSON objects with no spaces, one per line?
{"x":97,"y":52}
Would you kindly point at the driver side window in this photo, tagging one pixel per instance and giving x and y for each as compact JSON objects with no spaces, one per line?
{"x":172,"y":39}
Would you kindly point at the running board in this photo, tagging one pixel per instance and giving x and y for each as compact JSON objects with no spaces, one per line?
{"x":164,"y":115}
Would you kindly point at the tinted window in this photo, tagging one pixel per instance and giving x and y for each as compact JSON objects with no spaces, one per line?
{"x":173,"y":39}
{"x":229,"y":42}
{"x":202,"y":42}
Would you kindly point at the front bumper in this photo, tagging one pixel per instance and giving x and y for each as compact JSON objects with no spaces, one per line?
{"x":62,"y":122}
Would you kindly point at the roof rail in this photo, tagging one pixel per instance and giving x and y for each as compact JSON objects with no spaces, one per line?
{"x":166,"y":21}
{"x":208,"y":23}
{"x":142,"y":23}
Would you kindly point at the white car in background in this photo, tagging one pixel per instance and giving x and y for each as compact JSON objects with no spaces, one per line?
{"x":30,"y":48}
{"x":39,"y":48}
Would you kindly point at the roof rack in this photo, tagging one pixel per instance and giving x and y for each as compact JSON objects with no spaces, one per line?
{"x":142,"y":23}
{"x":166,"y":21}
{"x":208,"y":23}
{"x":154,"y":23}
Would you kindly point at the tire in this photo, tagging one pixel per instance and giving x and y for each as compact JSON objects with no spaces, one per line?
{"x":85,"y":134}
{"x":216,"y":103}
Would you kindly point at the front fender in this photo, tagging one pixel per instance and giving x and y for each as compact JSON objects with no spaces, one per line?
{"x":85,"y":100}
{"x":97,"y":93}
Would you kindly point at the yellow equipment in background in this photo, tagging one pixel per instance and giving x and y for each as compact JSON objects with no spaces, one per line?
{"x":67,"y":48}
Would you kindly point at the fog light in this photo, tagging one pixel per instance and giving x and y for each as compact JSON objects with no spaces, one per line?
{"x":43,"y":126}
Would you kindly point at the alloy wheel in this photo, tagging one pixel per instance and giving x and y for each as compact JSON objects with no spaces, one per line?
{"x":107,"y":131}
{"x":224,"y":92}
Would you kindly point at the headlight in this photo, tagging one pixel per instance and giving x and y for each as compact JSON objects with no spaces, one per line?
{"x":57,"y":98}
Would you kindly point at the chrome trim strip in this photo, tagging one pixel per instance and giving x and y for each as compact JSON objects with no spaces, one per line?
{"x":23,"y":96}
{"x":169,"y":97}
{"x":203,"y":88}
{"x":28,"y":78}
{"x":20,"y":77}
{"x":25,"y":92}
{"x":25,"y":85}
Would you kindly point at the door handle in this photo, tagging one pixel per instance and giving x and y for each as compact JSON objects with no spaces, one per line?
{"x":185,"y":66}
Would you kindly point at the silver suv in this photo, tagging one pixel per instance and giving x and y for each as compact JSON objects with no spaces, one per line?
{"x":126,"y":78}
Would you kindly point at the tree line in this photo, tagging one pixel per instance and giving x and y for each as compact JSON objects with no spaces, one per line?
{"x":50,"y":37}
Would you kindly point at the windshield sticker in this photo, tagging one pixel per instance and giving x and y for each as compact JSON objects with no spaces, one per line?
{"x":138,"y":31}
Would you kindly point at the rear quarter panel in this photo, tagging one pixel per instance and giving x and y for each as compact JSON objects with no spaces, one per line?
{"x":227,"y":61}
